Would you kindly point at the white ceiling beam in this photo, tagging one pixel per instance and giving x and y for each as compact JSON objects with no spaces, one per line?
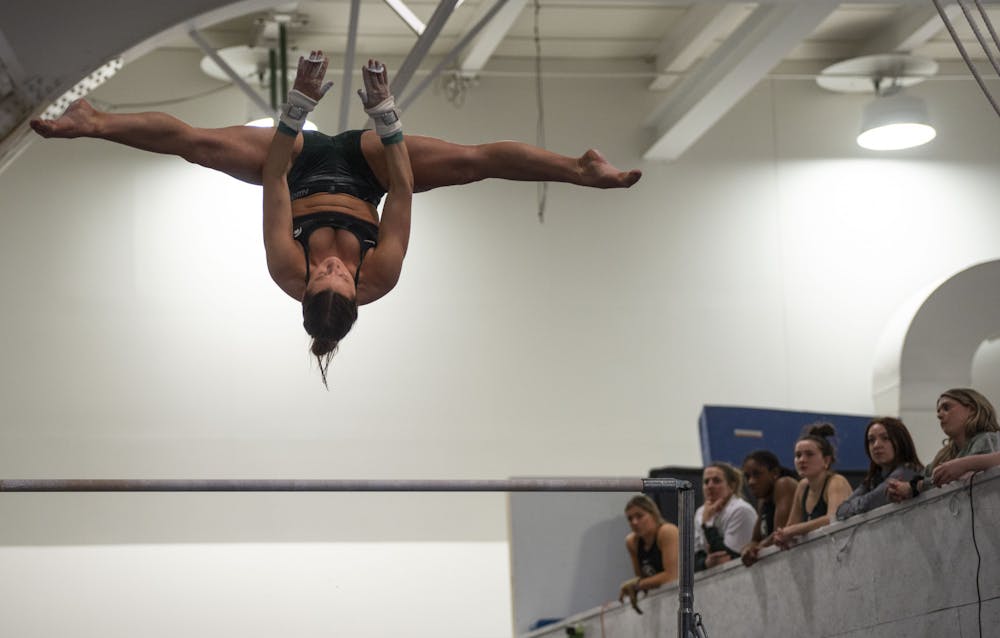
{"x":348,"y":72}
{"x":422,"y":46}
{"x":489,"y":39}
{"x":910,"y":28}
{"x":407,"y":16}
{"x":690,"y":38}
{"x":484,"y":20}
{"x":717,"y":83}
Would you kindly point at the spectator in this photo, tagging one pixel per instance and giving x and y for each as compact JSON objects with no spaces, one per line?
{"x":892,"y":455}
{"x":653,"y":546}
{"x":724,"y":523}
{"x":820,"y":492}
{"x":774,"y":488}
{"x":970,"y":424}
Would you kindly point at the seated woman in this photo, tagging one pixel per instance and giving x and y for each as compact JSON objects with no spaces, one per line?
{"x":774,"y":488}
{"x":653,"y":547}
{"x":969,"y":421}
{"x":820,"y":491}
{"x":334,"y":185}
{"x":892,"y":455}
{"x":724,"y":524}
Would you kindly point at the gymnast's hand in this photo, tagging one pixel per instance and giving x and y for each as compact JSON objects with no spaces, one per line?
{"x":379,"y":103}
{"x":376,"y":81}
{"x":309,"y":76}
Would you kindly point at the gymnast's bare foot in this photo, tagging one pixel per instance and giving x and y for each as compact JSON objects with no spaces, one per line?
{"x":598,"y":172}
{"x":79,"y":120}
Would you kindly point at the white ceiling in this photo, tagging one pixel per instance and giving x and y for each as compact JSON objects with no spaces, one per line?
{"x":700,"y":57}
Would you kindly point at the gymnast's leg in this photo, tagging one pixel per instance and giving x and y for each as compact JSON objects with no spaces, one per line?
{"x":439,"y":163}
{"x":238,"y":151}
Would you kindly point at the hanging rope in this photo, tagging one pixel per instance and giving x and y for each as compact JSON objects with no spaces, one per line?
{"x":542,"y":187}
{"x":989,"y":25}
{"x":965,"y":55}
{"x":979,"y":34}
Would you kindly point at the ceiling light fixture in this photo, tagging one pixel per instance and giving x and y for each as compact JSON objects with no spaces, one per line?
{"x":895,"y":122}
{"x":892,"y":121}
{"x":268,"y":122}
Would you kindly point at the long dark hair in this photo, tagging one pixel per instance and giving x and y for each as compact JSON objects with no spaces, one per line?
{"x":903,"y":448}
{"x":327,"y":316}
{"x":769,"y":461}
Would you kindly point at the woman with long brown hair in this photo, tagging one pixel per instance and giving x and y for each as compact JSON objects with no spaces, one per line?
{"x":892,"y":455}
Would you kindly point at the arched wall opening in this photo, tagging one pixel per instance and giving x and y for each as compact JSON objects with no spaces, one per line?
{"x":945,"y":337}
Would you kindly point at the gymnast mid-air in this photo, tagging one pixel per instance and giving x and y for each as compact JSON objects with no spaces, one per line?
{"x":323,"y":238}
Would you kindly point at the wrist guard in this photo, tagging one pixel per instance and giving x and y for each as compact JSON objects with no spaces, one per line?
{"x":296,"y":109}
{"x":386,"y":118}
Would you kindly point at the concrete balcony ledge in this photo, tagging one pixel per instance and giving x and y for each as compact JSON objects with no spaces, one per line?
{"x":900,"y":570}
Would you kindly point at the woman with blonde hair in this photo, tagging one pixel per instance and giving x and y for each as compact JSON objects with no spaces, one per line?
{"x":653,"y":547}
{"x":724,"y":524}
{"x":969,"y":423}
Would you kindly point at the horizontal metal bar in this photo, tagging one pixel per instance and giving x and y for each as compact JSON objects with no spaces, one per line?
{"x":349,"y":485}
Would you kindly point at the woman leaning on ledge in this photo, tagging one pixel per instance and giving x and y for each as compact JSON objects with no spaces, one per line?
{"x":653,"y":545}
{"x":774,"y":488}
{"x":821,"y":490}
{"x":891,"y":455}
{"x":969,"y":422}
{"x":724,"y":524}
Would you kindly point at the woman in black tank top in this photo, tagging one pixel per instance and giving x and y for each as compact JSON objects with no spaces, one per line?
{"x":773,"y":486}
{"x":653,"y":547}
{"x":820,"y":491}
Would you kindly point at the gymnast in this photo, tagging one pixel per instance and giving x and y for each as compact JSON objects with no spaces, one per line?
{"x":325,"y":243}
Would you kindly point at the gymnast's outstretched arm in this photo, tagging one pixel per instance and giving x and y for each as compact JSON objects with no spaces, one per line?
{"x":386,"y":260}
{"x":284,"y":256}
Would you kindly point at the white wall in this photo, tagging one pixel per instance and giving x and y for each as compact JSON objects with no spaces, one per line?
{"x":141,"y":335}
{"x":303,"y":590}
